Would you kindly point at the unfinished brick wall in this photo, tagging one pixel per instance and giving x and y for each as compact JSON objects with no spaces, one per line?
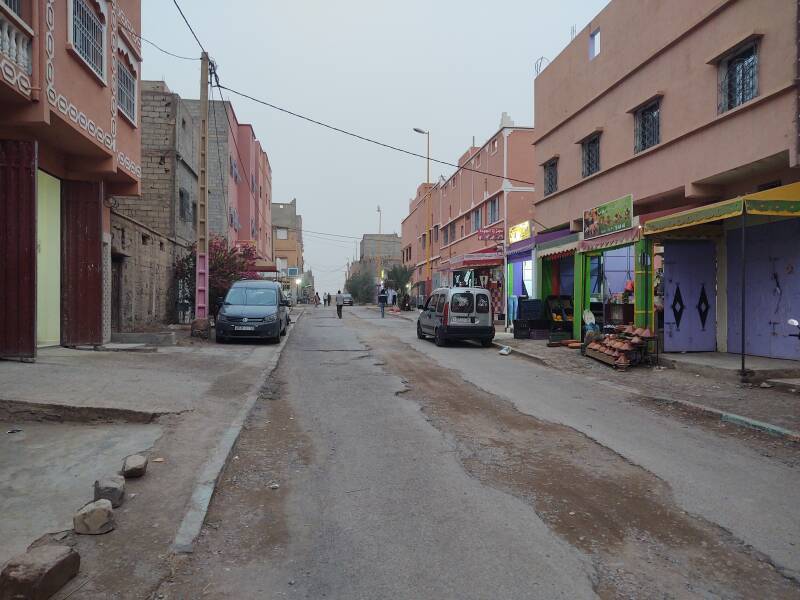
{"x":144,"y":293}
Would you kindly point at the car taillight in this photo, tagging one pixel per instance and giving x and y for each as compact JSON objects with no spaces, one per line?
{"x":446,"y":314}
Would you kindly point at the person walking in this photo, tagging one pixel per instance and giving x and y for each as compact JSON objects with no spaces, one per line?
{"x":316,"y":299}
{"x":382,"y":297}
{"x":339,"y":303}
{"x":326,"y":299}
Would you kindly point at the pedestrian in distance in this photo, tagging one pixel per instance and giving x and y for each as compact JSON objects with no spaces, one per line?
{"x":316,"y":299}
{"x":382,"y":298}
{"x":325,"y":299}
{"x":339,"y":303}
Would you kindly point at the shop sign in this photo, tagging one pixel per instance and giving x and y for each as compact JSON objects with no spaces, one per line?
{"x":491,"y":233}
{"x":519,"y":232}
{"x":610,"y":217}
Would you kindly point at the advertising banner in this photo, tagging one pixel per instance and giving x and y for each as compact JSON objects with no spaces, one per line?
{"x":610,"y":217}
{"x":519,"y":232}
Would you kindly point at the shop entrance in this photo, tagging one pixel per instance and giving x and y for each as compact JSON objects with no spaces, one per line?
{"x":690,"y":296}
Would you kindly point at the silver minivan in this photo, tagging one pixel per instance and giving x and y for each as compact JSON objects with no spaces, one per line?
{"x":457,"y":314}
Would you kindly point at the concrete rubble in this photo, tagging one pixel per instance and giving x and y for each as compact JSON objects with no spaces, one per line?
{"x":94,"y":518}
{"x":134,"y":465}
{"x":111,"y":488}
{"x":38,"y":573}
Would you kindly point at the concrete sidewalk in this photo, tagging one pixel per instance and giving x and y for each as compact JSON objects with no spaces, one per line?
{"x":82,"y":412}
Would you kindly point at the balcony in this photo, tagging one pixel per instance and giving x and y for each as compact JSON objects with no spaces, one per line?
{"x":16,"y":50}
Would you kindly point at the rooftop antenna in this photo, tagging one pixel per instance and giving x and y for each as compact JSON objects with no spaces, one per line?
{"x":573,"y":31}
{"x":540,"y":64}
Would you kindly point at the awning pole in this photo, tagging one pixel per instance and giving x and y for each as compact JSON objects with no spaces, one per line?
{"x":744,"y":286}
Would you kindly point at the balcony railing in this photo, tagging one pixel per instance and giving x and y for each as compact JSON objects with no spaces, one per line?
{"x":15,"y":43}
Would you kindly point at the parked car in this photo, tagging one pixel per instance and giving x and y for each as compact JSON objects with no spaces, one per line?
{"x":348,"y":299}
{"x":457,"y":314}
{"x":253,"y":309}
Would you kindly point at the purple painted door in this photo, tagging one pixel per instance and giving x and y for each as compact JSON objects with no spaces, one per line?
{"x":690,"y":296}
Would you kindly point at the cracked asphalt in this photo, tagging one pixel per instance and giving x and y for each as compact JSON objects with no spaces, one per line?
{"x":375,"y":465}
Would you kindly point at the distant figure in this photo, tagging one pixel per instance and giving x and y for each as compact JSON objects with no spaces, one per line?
{"x":392,"y":296}
{"x":316,"y":299}
{"x":339,"y":303}
{"x":325,"y":299}
{"x":383,"y":296}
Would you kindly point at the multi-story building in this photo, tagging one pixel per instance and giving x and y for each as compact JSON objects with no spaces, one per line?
{"x":239,"y":181}
{"x":384,"y":245}
{"x":287,"y":238}
{"x":457,"y":229}
{"x":641,"y":142}
{"x":69,"y":141}
{"x":149,"y":232}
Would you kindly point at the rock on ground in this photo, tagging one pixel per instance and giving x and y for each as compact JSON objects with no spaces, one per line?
{"x":38,"y":573}
{"x":111,"y":488}
{"x":134,"y":465}
{"x":94,"y":518}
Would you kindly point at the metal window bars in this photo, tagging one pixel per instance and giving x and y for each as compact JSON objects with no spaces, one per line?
{"x":126,"y":91}
{"x":551,"y":177}
{"x":590,"y":156}
{"x":14,"y":5}
{"x":87,"y":35}
{"x":647,"y":125}
{"x":738,"y":81}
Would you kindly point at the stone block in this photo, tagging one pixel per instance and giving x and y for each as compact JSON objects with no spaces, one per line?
{"x":38,"y":573}
{"x":134,"y":465}
{"x":94,"y":518}
{"x":111,"y":488}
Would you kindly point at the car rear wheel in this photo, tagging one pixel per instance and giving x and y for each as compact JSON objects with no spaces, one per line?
{"x":439,"y":338}
{"x":420,"y":335}
{"x":486,"y":343}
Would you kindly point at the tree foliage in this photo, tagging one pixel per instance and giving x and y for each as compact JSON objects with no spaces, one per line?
{"x":362,"y":286}
{"x":398,"y":277}
{"x":226,"y":265}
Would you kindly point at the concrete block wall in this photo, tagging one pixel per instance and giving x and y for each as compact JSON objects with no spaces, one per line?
{"x":148,"y":292}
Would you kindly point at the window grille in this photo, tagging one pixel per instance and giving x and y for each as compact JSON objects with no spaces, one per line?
{"x":184,"y":210}
{"x":126,"y":91}
{"x":738,"y":79}
{"x":87,"y":35}
{"x":14,"y":5}
{"x":493,"y":210}
{"x":647,"y":127}
{"x":590,"y":152}
{"x":446,"y":233}
{"x":453,"y":232}
{"x":476,"y":219}
{"x":435,"y":233}
{"x":551,"y":177}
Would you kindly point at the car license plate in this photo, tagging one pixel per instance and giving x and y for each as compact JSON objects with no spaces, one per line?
{"x":463,"y":319}
{"x":244,"y":328}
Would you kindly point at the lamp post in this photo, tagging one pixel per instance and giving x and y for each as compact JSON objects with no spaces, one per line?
{"x":428,"y":215}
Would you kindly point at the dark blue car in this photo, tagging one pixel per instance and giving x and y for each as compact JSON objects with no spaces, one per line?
{"x":253,"y":309}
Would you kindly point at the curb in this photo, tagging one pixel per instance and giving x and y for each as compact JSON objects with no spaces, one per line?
{"x":727,"y":417}
{"x":24,"y":410}
{"x":206,"y":482}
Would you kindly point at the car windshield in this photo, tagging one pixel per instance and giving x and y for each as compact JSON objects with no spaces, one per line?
{"x":251,"y":296}
{"x":462,"y":303}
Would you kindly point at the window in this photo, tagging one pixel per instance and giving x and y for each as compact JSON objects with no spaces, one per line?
{"x":452,"y":232}
{"x":594,"y":44}
{"x":14,"y":5}
{"x":462,"y":303}
{"x":590,"y":155}
{"x":493,"y":146}
{"x":453,"y":181}
{"x":550,"y":176}
{"x":183,"y":205}
{"x":482,"y":303}
{"x":440,"y":304}
{"x":126,"y":91}
{"x":493,"y":210}
{"x":478,"y":159}
{"x":282,"y":264}
{"x":422,"y":241}
{"x":738,"y":78}
{"x":88,"y":33}
{"x":435,"y":233}
{"x":282,"y":234}
{"x":647,"y":126}
{"x":446,"y":234}
{"x":477,"y":215}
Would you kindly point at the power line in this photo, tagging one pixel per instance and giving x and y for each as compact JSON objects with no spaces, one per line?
{"x":189,"y":25}
{"x":366,"y":139}
{"x":156,"y":46}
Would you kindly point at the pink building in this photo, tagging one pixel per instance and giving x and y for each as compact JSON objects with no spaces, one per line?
{"x":455,"y":230}
{"x":696,"y":107}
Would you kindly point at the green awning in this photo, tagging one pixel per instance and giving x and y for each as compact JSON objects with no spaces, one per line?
{"x":780,"y":201}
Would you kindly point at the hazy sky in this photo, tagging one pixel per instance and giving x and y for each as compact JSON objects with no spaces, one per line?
{"x":375,"y":67}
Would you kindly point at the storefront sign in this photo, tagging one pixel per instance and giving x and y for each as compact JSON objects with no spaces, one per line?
{"x":610,"y":217}
{"x":519,"y":232}
{"x":491,"y":233}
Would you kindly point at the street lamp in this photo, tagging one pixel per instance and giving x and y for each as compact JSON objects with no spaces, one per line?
{"x":428,"y":134}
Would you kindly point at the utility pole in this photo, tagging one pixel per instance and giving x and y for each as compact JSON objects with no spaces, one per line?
{"x":380,"y":274}
{"x":201,"y":275}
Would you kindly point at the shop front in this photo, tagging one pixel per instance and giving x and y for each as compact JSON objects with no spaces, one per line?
{"x":731,"y":275}
{"x":484,"y":270}
{"x":519,"y":267}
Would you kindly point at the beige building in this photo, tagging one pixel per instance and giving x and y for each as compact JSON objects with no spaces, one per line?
{"x":287,"y":236}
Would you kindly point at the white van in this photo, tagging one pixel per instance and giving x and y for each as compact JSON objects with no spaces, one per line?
{"x":457,"y":314}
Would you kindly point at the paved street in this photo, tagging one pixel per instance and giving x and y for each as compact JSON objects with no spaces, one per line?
{"x":375,"y":465}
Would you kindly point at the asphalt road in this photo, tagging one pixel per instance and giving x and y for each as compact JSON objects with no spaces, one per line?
{"x":376,"y":465}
